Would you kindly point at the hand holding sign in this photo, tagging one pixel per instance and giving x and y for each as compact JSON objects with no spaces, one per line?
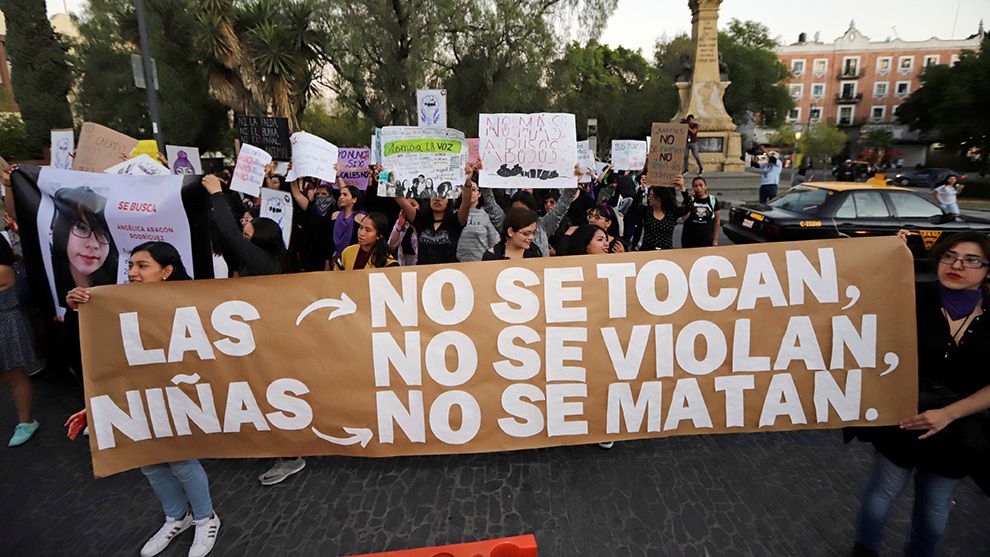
{"x":249,"y":172}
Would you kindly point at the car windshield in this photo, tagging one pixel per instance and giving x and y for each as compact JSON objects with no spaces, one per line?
{"x":801,"y":199}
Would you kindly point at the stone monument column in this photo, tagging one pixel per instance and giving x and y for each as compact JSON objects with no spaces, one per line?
{"x":701,"y":94}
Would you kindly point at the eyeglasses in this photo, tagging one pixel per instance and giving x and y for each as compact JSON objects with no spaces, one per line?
{"x":526,"y":234}
{"x":968,"y":261}
{"x":245,"y":220}
{"x":83,"y":231}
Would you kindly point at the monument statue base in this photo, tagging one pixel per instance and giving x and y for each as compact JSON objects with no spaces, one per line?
{"x":703,"y":99}
{"x":720,"y":152}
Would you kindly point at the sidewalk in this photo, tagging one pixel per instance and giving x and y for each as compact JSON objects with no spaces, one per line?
{"x":775,"y":494}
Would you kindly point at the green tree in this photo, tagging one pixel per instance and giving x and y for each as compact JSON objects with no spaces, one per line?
{"x":40,"y":73}
{"x":343,"y":128}
{"x":784,"y":136}
{"x":952,"y":103}
{"x":822,"y":142}
{"x":13,"y":138}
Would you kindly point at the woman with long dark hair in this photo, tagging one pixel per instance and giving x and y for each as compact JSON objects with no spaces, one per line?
{"x":950,"y":438}
{"x":182,"y":487}
{"x":588,"y":239}
{"x":258,"y":245}
{"x":659,"y":219}
{"x":16,"y":347}
{"x":347,"y":219}
{"x":603,"y":215}
{"x":371,"y":250}
{"x":518,"y":234}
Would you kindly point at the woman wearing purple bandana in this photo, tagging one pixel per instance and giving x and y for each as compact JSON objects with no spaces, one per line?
{"x":950,"y":438}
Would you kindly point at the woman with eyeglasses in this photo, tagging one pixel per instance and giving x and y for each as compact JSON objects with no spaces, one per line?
{"x":603,"y":216}
{"x":517,"y":237}
{"x":948,"y":440}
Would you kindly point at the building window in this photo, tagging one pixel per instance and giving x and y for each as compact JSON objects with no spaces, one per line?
{"x":902,"y":89}
{"x":905,"y":64}
{"x":953,"y":59}
{"x":797,"y":67}
{"x":818,"y":91}
{"x":815,"y":114}
{"x":797,"y":90}
{"x":848,"y":89}
{"x":932,"y":59}
{"x":821,"y":66}
{"x":850,"y":66}
{"x":883,"y":65}
{"x":845,"y":115}
{"x":877,"y":113}
{"x":880,"y":89}
{"x":794,"y":115}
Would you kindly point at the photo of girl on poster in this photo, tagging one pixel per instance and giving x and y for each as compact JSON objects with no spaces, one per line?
{"x":83,"y":252}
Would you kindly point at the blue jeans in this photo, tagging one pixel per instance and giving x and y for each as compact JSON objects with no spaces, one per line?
{"x":932,"y":498}
{"x":179,"y":486}
{"x":767,"y":192}
{"x":951,"y":208}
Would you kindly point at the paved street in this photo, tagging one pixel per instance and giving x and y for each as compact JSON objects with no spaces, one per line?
{"x":732,"y":495}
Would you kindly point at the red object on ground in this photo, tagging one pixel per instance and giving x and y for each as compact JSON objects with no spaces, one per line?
{"x":518,"y":546}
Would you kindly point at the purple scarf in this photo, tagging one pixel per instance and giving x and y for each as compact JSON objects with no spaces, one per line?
{"x":959,"y":303}
{"x":343,"y":231}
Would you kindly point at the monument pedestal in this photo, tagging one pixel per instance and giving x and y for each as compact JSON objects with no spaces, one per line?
{"x":721,"y":151}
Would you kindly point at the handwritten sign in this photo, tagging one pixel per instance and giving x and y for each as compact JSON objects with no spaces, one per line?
{"x":586,"y":159}
{"x":358,"y":160}
{"x":141,"y":165}
{"x":474,"y":150}
{"x":422,"y":162}
{"x":63,"y":142}
{"x":528,"y":150}
{"x":277,"y":205}
{"x":249,"y":172}
{"x":100,"y":148}
{"x":628,"y":154}
{"x":312,"y":156}
{"x":666,"y":158}
{"x":270,"y":134}
{"x":431,"y":107}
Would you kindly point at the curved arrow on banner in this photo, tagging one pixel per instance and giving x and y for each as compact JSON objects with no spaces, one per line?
{"x":344,"y":305}
{"x":361,"y":435}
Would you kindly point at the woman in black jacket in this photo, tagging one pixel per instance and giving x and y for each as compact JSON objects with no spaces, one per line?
{"x":948,"y":440}
{"x":258,"y":247}
{"x":519,"y":231}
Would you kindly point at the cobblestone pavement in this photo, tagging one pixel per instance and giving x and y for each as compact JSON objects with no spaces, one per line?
{"x":750,"y":494}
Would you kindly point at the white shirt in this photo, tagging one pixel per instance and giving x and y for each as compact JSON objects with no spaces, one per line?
{"x":946,"y":194}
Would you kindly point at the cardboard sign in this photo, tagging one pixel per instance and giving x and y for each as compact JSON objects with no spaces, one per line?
{"x":270,"y":134}
{"x":666,"y":159}
{"x":312,"y":156}
{"x":358,"y":160}
{"x":474,"y":150}
{"x":277,"y":205}
{"x":141,"y":165}
{"x":100,"y":148}
{"x":146,"y":147}
{"x":586,"y":159}
{"x":503,"y":355}
{"x":422,"y":162}
{"x":249,"y":172}
{"x":184,"y":160}
{"x":628,"y":154}
{"x":63,"y":143}
{"x":431,"y":107}
{"x":528,"y":150}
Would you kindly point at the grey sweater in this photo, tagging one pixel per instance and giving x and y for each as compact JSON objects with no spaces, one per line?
{"x":478,"y":235}
{"x":547,"y":224}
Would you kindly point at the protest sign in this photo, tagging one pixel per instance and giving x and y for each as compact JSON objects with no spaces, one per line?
{"x":586,"y":159}
{"x":376,"y":147}
{"x":356,"y":159}
{"x":312,"y":156}
{"x":269,"y":134}
{"x":528,"y":150}
{"x":78,"y":228}
{"x":474,"y":152}
{"x":249,"y":172}
{"x":141,"y":165}
{"x":503,"y":355}
{"x":431,"y":107}
{"x":184,"y":160}
{"x":282,"y":168}
{"x":100,"y":148}
{"x":666,"y":159}
{"x":63,"y":143}
{"x":628,"y":154}
{"x":422,"y":162}
{"x":277,"y":205}
{"x":146,"y":147}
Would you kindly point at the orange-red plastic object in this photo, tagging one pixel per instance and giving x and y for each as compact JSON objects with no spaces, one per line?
{"x":518,"y":546}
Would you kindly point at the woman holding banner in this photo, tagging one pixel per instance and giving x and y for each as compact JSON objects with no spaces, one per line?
{"x":182,"y":487}
{"x":953,"y":396}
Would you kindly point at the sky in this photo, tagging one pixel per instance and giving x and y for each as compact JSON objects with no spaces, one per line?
{"x":637,"y":24}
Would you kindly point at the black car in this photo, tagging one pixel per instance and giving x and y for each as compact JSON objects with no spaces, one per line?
{"x":820,"y":210}
{"x":923,"y":177}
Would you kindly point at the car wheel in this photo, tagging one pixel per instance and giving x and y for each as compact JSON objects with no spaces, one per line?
{"x":904,"y":182}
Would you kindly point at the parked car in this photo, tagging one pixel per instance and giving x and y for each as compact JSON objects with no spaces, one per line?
{"x":818,"y":210}
{"x":923,"y":177}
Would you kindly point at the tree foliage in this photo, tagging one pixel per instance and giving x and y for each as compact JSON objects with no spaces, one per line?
{"x":13,"y":138}
{"x":952,"y":102}
{"x":343,"y":128}
{"x":40,"y":74}
{"x":821,"y":142}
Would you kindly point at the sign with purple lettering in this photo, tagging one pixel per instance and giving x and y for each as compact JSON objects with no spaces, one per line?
{"x":528,"y":150}
{"x":356,"y":159}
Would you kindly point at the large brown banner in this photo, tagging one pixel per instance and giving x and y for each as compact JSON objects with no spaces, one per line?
{"x":498,"y":356}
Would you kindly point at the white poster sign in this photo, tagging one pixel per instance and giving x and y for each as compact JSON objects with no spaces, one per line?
{"x":628,"y":154}
{"x":376,"y":147}
{"x":95,"y":221}
{"x":277,"y":205}
{"x":141,"y":165}
{"x":312,"y":156}
{"x":422,"y":162}
{"x":431,"y":107}
{"x":586,"y":159}
{"x":528,"y":150}
{"x":184,"y":160}
{"x":249,"y":172}
{"x":63,"y":144}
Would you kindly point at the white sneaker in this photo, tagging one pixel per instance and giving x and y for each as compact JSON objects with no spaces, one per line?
{"x":206,"y":536}
{"x":283,"y":468}
{"x":607,"y":445}
{"x":172,"y":528}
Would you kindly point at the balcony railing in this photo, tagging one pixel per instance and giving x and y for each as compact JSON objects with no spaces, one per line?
{"x":848,"y":99}
{"x":851,"y":74}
